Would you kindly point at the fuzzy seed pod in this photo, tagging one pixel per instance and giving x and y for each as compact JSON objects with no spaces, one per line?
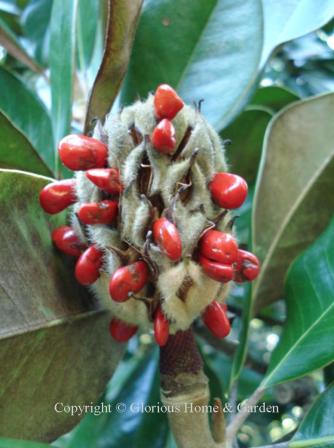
{"x":153,"y":265}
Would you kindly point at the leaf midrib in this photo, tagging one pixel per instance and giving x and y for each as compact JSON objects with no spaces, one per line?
{"x":266,"y":381}
{"x":311,"y":442}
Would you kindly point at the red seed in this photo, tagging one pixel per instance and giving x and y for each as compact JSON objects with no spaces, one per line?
{"x":161,"y":327}
{"x":163,"y":137}
{"x":217,"y":271}
{"x":167,"y":237}
{"x":79,"y":152}
{"x":216,"y":320}
{"x":66,"y":240}
{"x":121,"y":331}
{"x":108,"y":179}
{"x":167,"y":103}
{"x":228,"y":190}
{"x":219,"y":246}
{"x":128,"y":280}
{"x":57,"y":196}
{"x":87,"y":269}
{"x":247,"y":267}
{"x":103,"y":212}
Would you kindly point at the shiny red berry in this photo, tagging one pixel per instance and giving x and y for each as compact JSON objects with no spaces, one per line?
{"x":247,"y":267}
{"x":128,"y":280}
{"x":67,"y":241}
{"x":79,"y":152}
{"x":103,"y":212}
{"x":56,"y":196}
{"x":161,"y":327}
{"x":87,"y":269}
{"x":219,"y":246}
{"x":121,"y":331}
{"x":107,"y":179}
{"x":228,"y":190}
{"x":167,"y":103}
{"x":216,"y":320}
{"x":167,"y":237}
{"x":217,"y":271}
{"x":163,"y":137}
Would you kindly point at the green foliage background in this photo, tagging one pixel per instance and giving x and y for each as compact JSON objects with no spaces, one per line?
{"x":265,"y":71}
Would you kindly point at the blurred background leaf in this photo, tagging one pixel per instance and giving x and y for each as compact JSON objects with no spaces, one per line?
{"x":246,"y":134}
{"x":9,"y":41}
{"x":62,"y":44}
{"x":288,"y":19}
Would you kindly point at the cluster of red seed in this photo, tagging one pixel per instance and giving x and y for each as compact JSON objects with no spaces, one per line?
{"x":217,"y":253}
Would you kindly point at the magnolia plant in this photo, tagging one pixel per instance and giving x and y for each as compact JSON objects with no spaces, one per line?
{"x":146,"y":250}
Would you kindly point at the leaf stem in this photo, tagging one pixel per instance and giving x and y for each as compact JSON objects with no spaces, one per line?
{"x":242,"y":415}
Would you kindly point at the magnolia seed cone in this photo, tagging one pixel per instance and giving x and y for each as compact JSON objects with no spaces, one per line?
{"x":152,"y":182}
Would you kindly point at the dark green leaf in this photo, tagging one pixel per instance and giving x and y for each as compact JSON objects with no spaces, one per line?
{"x":54,"y":339}
{"x":88,"y":16}
{"x":243,"y":220}
{"x":63,"y":18}
{"x":288,"y":19}
{"x":273,"y":98}
{"x":136,"y":384}
{"x":27,"y":113}
{"x":121,"y":28}
{"x":11,"y":443}
{"x":306,"y":343}
{"x":210,"y":50}
{"x":17,"y":152}
{"x":246,"y":133}
{"x":293,"y":199}
{"x":329,"y":374}
{"x":316,"y":430}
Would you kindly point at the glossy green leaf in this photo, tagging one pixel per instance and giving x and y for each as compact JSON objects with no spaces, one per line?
{"x":62,"y":42}
{"x":9,"y":41}
{"x":17,"y":152}
{"x":306,"y":343}
{"x":293,"y":199}
{"x":134,"y":386}
{"x":273,"y":98}
{"x":54,"y":339}
{"x":28,"y":114}
{"x":210,"y":50}
{"x":121,"y":28}
{"x":11,"y":443}
{"x":88,"y":16}
{"x":285,"y":20}
{"x":246,"y":134}
{"x":316,"y":429}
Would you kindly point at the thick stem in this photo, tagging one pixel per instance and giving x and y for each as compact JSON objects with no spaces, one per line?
{"x":184,"y":390}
